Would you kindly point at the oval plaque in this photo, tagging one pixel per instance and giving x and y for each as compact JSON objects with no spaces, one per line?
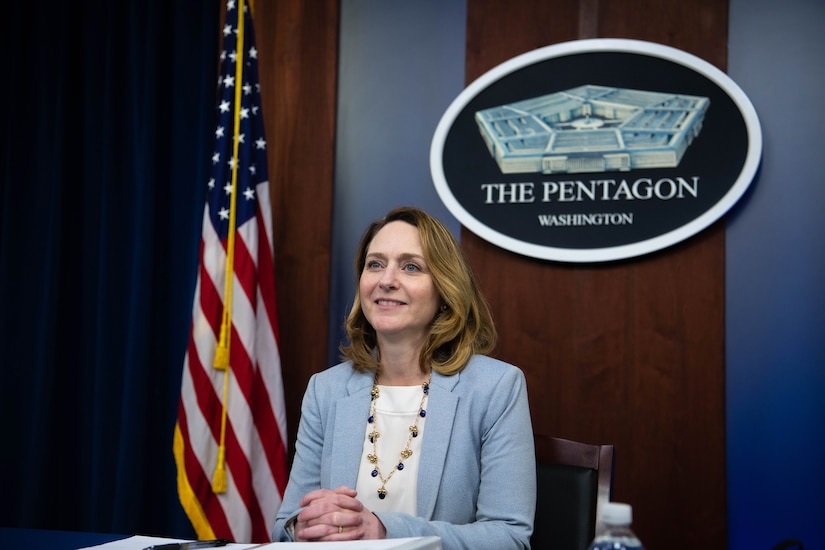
{"x":595,"y":150}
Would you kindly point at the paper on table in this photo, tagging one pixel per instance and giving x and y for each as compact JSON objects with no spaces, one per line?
{"x":139,"y":542}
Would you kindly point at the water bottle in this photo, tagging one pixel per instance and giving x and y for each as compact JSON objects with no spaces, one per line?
{"x":617,"y":534}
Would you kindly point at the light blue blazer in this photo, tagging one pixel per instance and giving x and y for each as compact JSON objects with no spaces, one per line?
{"x":477,"y":475}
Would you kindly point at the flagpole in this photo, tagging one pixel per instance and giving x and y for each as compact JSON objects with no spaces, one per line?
{"x":222,"y":351}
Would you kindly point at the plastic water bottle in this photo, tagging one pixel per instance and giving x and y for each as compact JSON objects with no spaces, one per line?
{"x":617,"y":535}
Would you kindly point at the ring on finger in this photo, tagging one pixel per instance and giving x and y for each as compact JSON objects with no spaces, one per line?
{"x":340,"y":529}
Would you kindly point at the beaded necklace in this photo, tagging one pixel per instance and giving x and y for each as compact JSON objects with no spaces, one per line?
{"x":373,"y":436}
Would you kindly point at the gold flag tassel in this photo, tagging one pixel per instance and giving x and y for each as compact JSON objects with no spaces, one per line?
{"x":222,"y":351}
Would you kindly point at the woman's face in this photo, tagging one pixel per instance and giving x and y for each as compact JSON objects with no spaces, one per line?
{"x":398,"y":295}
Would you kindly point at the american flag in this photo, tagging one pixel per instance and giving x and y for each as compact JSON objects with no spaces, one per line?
{"x":230,"y":437}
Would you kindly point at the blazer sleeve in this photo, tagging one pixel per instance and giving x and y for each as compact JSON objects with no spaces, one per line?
{"x":305,"y":475}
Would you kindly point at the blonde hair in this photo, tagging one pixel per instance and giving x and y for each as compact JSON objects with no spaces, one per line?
{"x":462,"y":328}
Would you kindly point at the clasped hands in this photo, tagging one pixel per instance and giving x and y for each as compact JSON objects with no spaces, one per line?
{"x":329,"y":515}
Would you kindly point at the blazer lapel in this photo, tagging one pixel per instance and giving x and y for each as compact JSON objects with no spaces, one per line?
{"x":348,"y":432}
{"x":441,"y":408}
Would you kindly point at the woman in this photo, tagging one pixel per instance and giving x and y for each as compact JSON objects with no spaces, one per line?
{"x":417,"y":433}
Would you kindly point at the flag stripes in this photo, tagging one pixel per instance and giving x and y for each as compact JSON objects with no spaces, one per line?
{"x":254,"y":438}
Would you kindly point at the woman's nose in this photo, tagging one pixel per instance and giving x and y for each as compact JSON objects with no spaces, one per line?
{"x":388,"y":279}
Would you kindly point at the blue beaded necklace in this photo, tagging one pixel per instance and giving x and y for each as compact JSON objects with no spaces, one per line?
{"x":373,"y":436}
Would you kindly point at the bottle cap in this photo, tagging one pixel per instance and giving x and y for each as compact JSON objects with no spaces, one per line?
{"x":617,"y":513}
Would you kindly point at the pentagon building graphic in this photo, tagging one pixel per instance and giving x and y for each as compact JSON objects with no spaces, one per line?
{"x":592,"y":129}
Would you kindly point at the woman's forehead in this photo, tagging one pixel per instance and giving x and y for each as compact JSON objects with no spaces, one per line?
{"x":396,"y":238}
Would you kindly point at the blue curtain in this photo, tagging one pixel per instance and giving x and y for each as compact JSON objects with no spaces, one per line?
{"x":107,"y":131}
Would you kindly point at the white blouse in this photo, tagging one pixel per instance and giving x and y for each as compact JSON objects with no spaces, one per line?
{"x":395,"y":411}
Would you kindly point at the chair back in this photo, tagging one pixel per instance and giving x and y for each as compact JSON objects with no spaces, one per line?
{"x":574,"y":480}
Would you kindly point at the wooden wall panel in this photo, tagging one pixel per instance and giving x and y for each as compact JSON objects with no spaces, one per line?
{"x":632,"y":352}
{"x":298,"y":60}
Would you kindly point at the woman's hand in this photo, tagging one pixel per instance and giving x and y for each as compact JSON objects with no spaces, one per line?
{"x":336,"y":515}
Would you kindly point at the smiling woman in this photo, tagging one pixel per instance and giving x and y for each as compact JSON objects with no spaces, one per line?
{"x":466,"y":320}
{"x":397,"y":293}
{"x":390,"y":441}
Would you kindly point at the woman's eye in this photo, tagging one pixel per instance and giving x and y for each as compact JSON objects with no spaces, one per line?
{"x":373,"y":264}
{"x":411,"y":267}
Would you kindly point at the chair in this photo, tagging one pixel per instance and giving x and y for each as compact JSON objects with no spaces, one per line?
{"x":574,"y":481}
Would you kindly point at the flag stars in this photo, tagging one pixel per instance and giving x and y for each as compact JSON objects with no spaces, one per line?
{"x":241,"y":161}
